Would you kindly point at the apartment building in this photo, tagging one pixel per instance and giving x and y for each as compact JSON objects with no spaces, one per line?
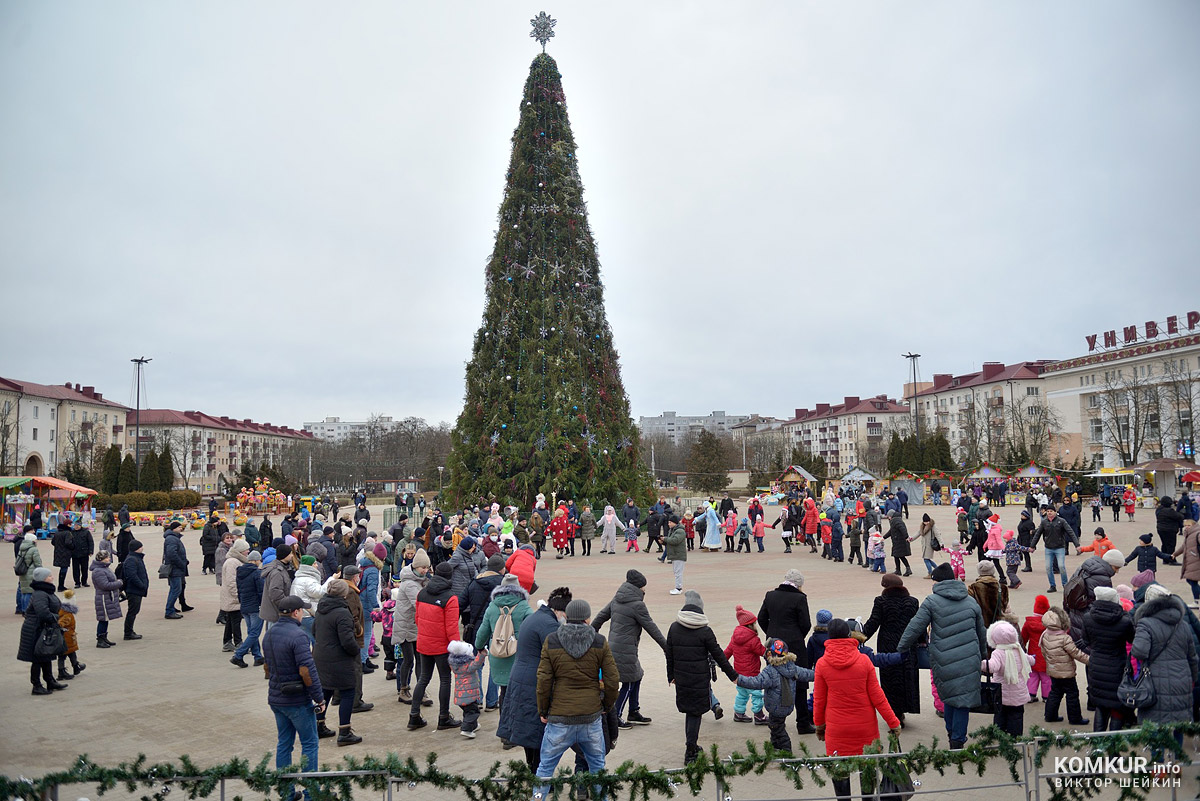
{"x":843,"y":434}
{"x":42,"y":425}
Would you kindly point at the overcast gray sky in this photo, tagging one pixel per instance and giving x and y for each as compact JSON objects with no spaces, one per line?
{"x":788,"y":194}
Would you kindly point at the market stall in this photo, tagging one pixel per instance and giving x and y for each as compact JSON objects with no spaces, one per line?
{"x":859,"y":481}
{"x":20,"y":494}
{"x":1162,"y":476}
{"x":796,"y":477}
{"x":1025,"y":478}
{"x":937,"y":487}
{"x":910,"y":482}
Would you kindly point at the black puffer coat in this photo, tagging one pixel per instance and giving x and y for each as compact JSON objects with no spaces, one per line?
{"x":784,"y":615}
{"x":336,"y":648}
{"x":42,"y":611}
{"x":64,"y":546}
{"x":889,"y":616}
{"x":630,"y":617}
{"x":690,"y":643}
{"x":1107,"y":628}
{"x":898,"y":534}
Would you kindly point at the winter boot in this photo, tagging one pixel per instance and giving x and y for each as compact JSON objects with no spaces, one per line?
{"x":741,"y":717}
{"x":346,"y":736}
{"x":448,"y":723}
{"x":63,"y":675}
{"x":404,"y":696}
{"x":102,"y":643}
{"x":324,"y":731}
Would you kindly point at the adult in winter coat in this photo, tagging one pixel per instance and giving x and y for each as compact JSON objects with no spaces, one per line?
{"x":846,"y":699}
{"x":957,"y":645}
{"x":810,"y":520}
{"x":784,"y":616}
{"x":308,"y":587}
{"x":412,"y":580}
{"x":229,"y":593}
{"x":629,"y":618}
{"x":473,"y":602}
{"x":64,"y":546}
{"x":630,"y":513}
{"x":890,"y":614}
{"x":520,"y":723}
{"x":137,"y":585}
{"x":523,"y":564}
{"x":437,"y":627}
{"x":175,"y":555}
{"x":29,"y":553}
{"x":41,"y":613}
{"x":690,"y":646}
{"x":989,"y":593}
{"x":277,"y":582}
{"x":468,"y":562}
{"x":108,"y":597}
{"x":82,"y":548}
{"x":509,"y":597}
{"x":926,"y":533}
{"x":1189,"y":549}
{"x":587,"y":529}
{"x":1168,"y":522}
{"x":1107,"y":631}
{"x":336,"y":652}
{"x":898,"y":533}
{"x":1169,"y":649}
{"x":210,"y":538}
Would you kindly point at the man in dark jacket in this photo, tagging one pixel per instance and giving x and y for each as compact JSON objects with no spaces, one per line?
{"x":1071,"y":514}
{"x":64,"y":546}
{"x":137,"y":585}
{"x":288,"y":664}
{"x":123,"y":515}
{"x":210,"y":538}
{"x":1025,"y":531}
{"x":1058,"y":535}
{"x":277,"y":582}
{"x":575,"y":660}
{"x":630,"y":512}
{"x":82,"y":548}
{"x":1169,"y":523}
{"x":902,"y":498}
{"x":175,"y":555}
{"x":784,"y":616}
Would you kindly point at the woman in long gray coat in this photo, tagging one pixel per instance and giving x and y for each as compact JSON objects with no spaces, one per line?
{"x":108,"y":597}
{"x":957,"y":645}
{"x":1169,"y":649}
{"x":630,"y":617}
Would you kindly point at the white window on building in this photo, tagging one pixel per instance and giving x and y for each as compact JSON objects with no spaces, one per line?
{"x":1033,"y":390}
{"x":1096,"y":432}
{"x":35,"y":431}
{"x":1093,"y":401}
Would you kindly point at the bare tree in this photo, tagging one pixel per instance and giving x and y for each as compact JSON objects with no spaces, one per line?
{"x":181,"y":453}
{"x":1031,"y":424}
{"x":85,"y":441}
{"x":8,"y":437}
{"x":1126,"y":401}
{"x":1181,"y":396}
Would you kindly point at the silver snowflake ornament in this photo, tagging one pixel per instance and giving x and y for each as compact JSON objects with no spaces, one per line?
{"x":589,"y":438}
{"x":504,"y":332}
{"x":557,"y":270}
{"x":543,"y":28}
{"x":528,"y":271}
{"x":542,"y":332}
{"x":541,"y":442}
{"x":495,"y":437}
{"x":624,"y":443}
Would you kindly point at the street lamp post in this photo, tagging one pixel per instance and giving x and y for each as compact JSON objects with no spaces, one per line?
{"x":440,"y":470}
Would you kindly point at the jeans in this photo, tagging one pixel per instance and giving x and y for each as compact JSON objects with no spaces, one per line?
{"x":956,"y":718}
{"x":1059,"y":556}
{"x":1195,"y":585}
{"x":292,"y":722}
{"x":23,"y":600}
{"x":691,"y":734}
{"x":491,"y":694}
{"x":425,"y":666}
{"x":929,"y":565}
{"x":307,"y":622}
{"x":250,"y":643}
{"x":630,"y":691}
{"x":131,"y":613}
{"x":174,"y":590}
{"x":561,"y":736}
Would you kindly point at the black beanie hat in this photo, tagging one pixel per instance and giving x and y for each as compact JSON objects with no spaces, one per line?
{"x":1147,"y":538}
{"x":838,"y":629}
{"x":943,"y":572}
{"x":134,"y":546}
{"x":444,"y":569}
{"x":635,"y":578}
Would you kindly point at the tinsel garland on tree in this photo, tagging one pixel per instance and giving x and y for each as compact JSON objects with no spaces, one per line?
{"x":629,"y":780}
{"x":545,"y":409}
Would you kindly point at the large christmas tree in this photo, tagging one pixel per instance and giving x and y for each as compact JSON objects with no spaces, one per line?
{"x":545,"y":409}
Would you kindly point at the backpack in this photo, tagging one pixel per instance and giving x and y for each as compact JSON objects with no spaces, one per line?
{"x":1075,"y":594}
{"x":20,"y":567}
{"x":504,"y":637}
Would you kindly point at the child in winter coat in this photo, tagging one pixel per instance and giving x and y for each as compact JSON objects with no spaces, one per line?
{"x":1012,"y":558}
{"x":964,"y":532}
{"x":467,"y":667}
{"x":1095,"y":505}
{"x":1010,"y":665}
{"x":1147,"y":554}
{"x":66,"y":622}
{"x":776,"y":683}
{"x":1061,"y":654}
{"x":743,"y":534}
{"x":730,"y":527}
{"x":1101,"y":545}
{"x":820,"y":633}
{"x":955,"y":552}
{"x":385,"y":615}
{"x":854,"y":526}
{"x":631,"y":535}
{"x":746,"y":650}
{"x":875,"y":552}
{"x":825,"y":529}
{"x":759,"y":531}
{"x":1031,"y":638}
{"x":689,"y":528}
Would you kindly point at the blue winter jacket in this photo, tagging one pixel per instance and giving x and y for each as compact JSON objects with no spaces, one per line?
{"x":770,"y":680}
{"x":175,"y":554}
{"x":133,"y":572}
{"x":249,"y":588}
{"x":368,"y":587}
{"x":288,"y":653}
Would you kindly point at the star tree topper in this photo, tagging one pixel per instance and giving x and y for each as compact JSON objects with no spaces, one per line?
{"x":543,"y":28}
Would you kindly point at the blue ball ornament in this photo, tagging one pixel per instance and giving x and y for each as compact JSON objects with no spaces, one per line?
{"x":504,"y":425}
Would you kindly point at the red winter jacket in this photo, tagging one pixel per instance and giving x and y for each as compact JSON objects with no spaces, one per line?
{"x":1031,"y":635}
{"x":746,"y":651}
{"x":523,"y":563}
{"x":846,"y":696}
{"x":437,"y":617}
{"x":811,"y":516}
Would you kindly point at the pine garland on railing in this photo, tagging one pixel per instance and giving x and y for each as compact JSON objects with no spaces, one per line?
{"x":636,"y":782}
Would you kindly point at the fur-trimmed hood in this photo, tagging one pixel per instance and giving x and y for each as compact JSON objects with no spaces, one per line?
{"x":781,"y":659}
{"x":460,"y":653}
{"x":517,"y":591}
{"x":1168,"y":608}
{"x":576,"y":638}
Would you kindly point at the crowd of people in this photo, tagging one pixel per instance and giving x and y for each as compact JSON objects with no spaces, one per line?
{"x":315,"y":606}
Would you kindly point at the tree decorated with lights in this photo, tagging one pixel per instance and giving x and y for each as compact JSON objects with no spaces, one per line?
{"x":545,"y":408}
